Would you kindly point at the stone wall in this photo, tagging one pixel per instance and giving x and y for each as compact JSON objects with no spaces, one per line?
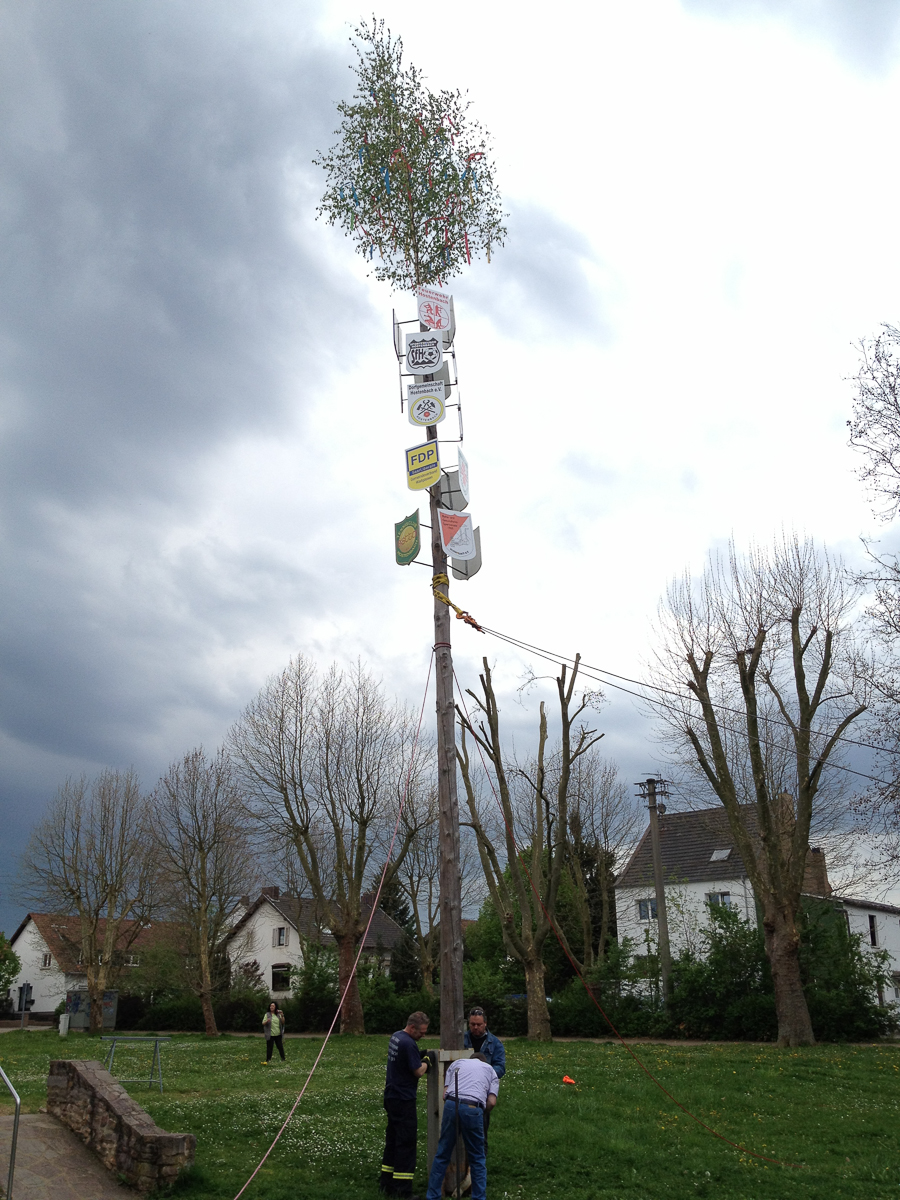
{"x":84,"y":1096}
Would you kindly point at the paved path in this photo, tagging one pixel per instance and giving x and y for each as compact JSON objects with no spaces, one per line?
{"x":52,"y":1164}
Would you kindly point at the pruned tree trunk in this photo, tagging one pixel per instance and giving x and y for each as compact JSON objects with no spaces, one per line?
{"x":95,"y":1017}
{"x":538,"y":1012}
{"x":352,"y":1020}
{"x":209,"y":1016}
{"x":524,"y":885}
{"x":761,"y":654}
{"x":782,"y":940}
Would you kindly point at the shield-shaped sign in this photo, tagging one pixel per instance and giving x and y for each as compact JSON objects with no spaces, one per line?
{"x":423,"y":466}
{"x":434,"y":308}
{"x":463,"y":475}
{"x":424,"y":352}
{"x":457,"y":534}
{"x":406,"y":539}
{"x":425,"y":403}
{"x":465,"y":569}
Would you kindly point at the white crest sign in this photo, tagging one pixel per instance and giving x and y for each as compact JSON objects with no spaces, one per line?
{"x":457,"y":534}
{"x":424,"y":352}
{"x":463,"y":475}
{"x":434,"y":308}
{"x":425,"y":403}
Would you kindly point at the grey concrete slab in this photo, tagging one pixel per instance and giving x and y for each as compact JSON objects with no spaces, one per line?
{"x":52,"y":1164}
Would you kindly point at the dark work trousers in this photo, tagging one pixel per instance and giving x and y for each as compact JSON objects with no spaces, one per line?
{"x":487,"y":1121}
{"x":399,"y":1162}
{"x":275,"y":1041}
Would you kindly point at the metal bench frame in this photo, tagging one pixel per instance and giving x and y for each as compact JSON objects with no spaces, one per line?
{"x":155,"y":1063}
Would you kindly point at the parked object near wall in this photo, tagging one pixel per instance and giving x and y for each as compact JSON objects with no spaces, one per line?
{"x":78,"y":1009}
{"x":87,"y":1099}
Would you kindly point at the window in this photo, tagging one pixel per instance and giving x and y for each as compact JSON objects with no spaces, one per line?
{"x":720,"y":855}
{"x":719,"y":898}
{"x":46,"y":960}
{"x":132,"y":960}
{"x":281,"y":977}
{"x":647,"y":909}
{"x":280,"y":936}
{"x":873,"y":930}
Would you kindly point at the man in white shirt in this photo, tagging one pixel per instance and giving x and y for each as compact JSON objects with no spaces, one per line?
{"x":470,"y":1089}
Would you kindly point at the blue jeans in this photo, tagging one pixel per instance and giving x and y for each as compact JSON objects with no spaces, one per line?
{"x":471,"y":1126}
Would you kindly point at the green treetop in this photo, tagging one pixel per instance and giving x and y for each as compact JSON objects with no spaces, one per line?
{"x":410,"y":177}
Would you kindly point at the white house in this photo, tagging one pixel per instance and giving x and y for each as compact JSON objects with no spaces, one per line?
{"x":272,"y":930}
{"x":48,"y":946}
{"x":702,"y":866}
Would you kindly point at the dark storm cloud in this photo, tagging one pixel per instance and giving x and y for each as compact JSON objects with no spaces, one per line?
{"x":539,"y":284}
{"x":157,"y":280}
{"x":151,"y":272}
{"x":865,"y":32}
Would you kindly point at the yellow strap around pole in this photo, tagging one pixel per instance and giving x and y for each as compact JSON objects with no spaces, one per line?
{"x":461,"y":614}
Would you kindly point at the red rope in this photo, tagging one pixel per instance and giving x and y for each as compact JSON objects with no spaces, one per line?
{"x":593,"y":998}
{"x":412,"y":761}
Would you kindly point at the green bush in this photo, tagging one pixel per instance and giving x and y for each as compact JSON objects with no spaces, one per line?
{"x":486,"y":987}
{"x":181,"y":1013}
{"x":130,"y":1011}
{"x":312,"y":1007}
{"x":728,"y":993}
{"x":240,"y":1012}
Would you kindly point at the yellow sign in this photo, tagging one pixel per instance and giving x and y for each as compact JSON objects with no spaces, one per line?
{"x":423,"y":467}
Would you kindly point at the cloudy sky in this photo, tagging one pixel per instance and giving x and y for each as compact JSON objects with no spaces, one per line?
{"x":200,"y":437}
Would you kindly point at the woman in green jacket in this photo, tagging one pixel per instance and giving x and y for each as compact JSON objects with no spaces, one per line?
{"x":273,"y":1026}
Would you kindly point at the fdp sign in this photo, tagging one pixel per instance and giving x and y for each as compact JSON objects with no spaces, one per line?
{"x":423,"y":467}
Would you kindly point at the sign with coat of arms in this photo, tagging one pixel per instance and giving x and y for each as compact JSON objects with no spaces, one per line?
{"x":425,"y":403}
{"x":406,"y":539}
{"x":434,"y":308}
{"x":457,"y":534}
{"x":424,"y":352}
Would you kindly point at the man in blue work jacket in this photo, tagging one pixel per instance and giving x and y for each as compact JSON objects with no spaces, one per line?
{"x":405,"y":1067}
{"x":480,"y":1039}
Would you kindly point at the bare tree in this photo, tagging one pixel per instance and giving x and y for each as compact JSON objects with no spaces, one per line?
{"x":875,"y":432}
{"x":534,"y":802}
{"x":875,"y":425}
{"x":604,"y":824}
{"x":91,"y":856}
{"x":324,"y":762}
{"x":760,"y":676}
{"x":419,"y":878}
{"x":202,"y":833}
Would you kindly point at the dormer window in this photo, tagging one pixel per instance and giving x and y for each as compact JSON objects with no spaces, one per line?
{"x":720,"y":855}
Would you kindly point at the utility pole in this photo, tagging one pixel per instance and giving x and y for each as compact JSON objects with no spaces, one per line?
{"x":650,"y":789}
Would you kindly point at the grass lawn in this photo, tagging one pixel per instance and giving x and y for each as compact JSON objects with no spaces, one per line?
{"x":835,"y":1109}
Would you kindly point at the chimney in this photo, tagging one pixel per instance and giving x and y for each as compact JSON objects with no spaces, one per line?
{"x":245,"y":901}
{"x":815,"y":875}
{"x":272,"y":892}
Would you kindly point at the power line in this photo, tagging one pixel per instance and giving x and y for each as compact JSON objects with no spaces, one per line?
{"x":655,"y":687}
{"x":586,"y":670}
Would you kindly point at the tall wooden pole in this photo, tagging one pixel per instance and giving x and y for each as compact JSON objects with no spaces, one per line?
{"x":450,"y":881}
{"x":662,"y":919}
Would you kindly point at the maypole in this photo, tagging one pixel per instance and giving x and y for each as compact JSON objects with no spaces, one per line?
{"x":411,"y":182}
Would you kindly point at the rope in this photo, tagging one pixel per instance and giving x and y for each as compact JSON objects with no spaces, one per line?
{"x":412,"y":760}
{"x":593,"y":998}
{"x":461,"y":614}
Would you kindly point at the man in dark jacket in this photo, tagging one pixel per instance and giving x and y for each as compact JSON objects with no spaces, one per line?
{"x":405,"y":1066}
{"x":480,"y":1039}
